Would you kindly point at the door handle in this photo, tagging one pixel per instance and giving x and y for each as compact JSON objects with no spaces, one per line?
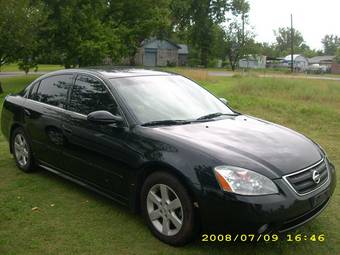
{"x":66,"y":129}
{"x":27,"y":112}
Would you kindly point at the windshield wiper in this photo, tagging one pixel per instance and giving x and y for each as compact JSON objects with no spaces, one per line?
{"x":215,"y":115}
{"x":165,"y":123}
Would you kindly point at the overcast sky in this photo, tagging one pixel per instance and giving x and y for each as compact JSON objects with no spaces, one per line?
{"x":314,"y":19}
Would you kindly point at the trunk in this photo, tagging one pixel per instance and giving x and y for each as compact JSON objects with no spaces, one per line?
{"x":204,"y":57}
{"x":232,"y":63}
{"x":1,"y":90}
{"x":132,"y":61}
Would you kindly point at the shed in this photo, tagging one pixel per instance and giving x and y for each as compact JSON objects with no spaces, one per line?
{"x":161,"y":52}
{"x":156,"y":52}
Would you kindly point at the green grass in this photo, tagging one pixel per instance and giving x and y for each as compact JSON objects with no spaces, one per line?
{"x":41,"y":68}
{"x":81,"y":222}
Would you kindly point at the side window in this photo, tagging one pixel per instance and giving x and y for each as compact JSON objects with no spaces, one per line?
{"x":33,"y":91}
{"x":53,"y":90}
{"x":89,"y":95}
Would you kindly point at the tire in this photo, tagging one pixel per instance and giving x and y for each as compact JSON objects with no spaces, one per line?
{"x":22,"y":151}
{"x":173,"y":222}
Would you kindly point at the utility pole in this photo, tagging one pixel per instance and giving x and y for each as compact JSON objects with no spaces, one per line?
{"x":292,"y":43}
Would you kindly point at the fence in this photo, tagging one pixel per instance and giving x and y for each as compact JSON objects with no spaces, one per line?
{"x":336,"y":68}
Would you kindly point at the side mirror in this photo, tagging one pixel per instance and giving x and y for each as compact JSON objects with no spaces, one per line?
{"x":104,"y":117}
{"x":223,"y":100}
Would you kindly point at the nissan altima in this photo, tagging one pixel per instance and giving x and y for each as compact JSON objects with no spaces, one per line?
{"x":165,"y":147}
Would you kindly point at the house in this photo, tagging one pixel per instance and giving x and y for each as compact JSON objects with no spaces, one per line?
{"x":325,"y":61}
{"x":253,"y":62}
{"x":300,"y":62}
{"x":161,"y":52}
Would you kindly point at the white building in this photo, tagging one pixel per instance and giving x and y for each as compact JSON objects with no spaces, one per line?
{"x":253,"y":62}
{"x":300,"y":62}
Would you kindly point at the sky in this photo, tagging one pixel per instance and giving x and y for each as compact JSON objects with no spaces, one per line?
{"x":313,"y":18}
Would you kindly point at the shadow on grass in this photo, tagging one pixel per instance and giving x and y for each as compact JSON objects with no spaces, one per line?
{"x":195,"y":247}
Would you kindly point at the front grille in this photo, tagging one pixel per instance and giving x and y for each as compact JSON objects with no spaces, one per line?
{"x":302,"y":181}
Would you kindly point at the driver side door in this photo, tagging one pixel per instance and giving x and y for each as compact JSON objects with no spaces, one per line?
{"x":94,"y":152}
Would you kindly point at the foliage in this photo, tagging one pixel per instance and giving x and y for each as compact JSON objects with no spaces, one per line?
{"x":239,"y":40}
{"x":284,"y":39}
{"x":84,"y":32}
{"x":19,"y":22}
{"x":330,"y":44}
{"x":197,"y":21}
{"x":26,"y":64}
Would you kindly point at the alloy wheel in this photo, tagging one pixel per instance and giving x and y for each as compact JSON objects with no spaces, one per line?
{"x":165,"y":210}
{"x":21,"y":150}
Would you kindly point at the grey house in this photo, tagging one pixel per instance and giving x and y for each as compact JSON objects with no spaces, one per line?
{"x":156,"y":52}
{"x":322,"y":61}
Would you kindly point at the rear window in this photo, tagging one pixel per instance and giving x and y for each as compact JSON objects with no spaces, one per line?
{"x":53,"y":90}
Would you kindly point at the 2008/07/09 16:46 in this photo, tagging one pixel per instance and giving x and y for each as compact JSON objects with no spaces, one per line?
{"x":262,"y":237}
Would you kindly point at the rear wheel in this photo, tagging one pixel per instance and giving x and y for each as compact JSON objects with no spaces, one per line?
{"x":22,"y":150}
{"x":168,"y":209}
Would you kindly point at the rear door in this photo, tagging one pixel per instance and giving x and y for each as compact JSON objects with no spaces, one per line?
{"x":94,"y":152}
{"x":44,"y":114}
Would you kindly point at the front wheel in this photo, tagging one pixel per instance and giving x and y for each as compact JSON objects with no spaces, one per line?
{"x":168,"y":209}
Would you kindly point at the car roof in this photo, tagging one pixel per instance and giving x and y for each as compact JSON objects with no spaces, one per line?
{"x":114,"y":73}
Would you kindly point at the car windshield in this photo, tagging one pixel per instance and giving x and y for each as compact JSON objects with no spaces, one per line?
{"x":164,"y":98}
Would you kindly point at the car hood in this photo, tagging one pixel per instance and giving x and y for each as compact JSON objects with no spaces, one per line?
{"x":246,"y":141}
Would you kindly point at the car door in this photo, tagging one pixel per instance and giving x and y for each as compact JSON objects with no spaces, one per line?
{"x":44,"y":113}
{"x":94,"y":152}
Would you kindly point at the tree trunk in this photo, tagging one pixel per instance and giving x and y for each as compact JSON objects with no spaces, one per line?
{"x":204,"y":57}
{"x":1,"y":90}
{"x":132,"y":61}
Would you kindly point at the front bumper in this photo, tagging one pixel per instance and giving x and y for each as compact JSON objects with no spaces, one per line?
{"x":230,"y":213}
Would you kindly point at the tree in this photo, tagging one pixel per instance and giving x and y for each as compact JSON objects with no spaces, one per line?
{"x":283,"y":41}
{"x":75,"y":33}
{"x":135,"y":21}
{"x":198,"y":19}
{"x":330,"y":44}
{"x":19,"y":26}
{"x":85,"y":32}
{"x":239,"y":40}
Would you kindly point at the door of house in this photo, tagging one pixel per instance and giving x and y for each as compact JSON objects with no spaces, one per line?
{"x":150,"y":57}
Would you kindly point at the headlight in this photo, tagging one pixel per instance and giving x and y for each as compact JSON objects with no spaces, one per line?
{"x":244,"y":182}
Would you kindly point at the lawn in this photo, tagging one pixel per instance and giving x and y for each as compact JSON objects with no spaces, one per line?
{"x":41,"y":68}
{"x":72,"y":220}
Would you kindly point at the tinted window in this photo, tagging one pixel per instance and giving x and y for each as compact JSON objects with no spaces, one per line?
{"x":33,"y":91}
{"x":53,"y":90}
{"x":89,"y":95}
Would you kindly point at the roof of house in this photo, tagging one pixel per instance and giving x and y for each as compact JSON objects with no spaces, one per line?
{"x":295,"y":56}
{"x":153,"y":39}
{"x":183,"y":49}
{"x":318,"y":59}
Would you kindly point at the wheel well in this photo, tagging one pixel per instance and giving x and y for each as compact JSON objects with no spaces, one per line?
{"x":14,"y":127}
{"x":150,"y":169}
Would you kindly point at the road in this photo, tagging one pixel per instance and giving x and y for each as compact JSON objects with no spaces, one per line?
{"x":16,"y":74}
{"x":302,"y":76}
